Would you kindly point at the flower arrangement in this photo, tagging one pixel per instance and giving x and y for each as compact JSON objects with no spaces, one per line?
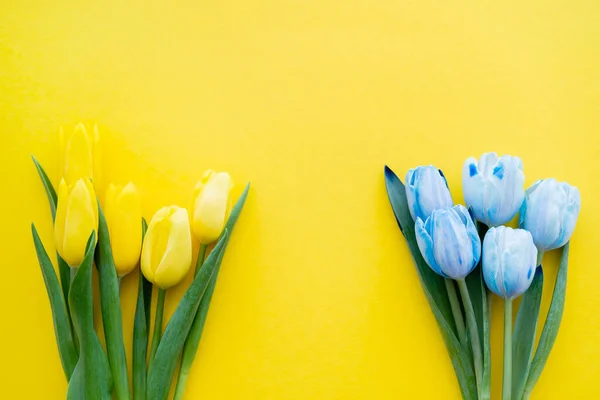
{"x":114,"y":236}
{"x":468,"y":250}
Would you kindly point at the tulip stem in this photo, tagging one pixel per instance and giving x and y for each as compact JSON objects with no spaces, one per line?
{"x":473,"y":331}
{"x":456,"y":311}
{"x":540,"y":257}
{"x":507,"y":374}
{"x":158,"y":320}
{"x":201,"y":256}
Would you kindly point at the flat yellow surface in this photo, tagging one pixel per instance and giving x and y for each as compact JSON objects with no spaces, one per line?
{"x":317,"y":297}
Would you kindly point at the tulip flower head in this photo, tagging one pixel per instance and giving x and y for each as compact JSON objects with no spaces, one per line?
{"x":123,"y":211}
{"x":76,"y":218}
{"x":449,"y":242}
{"x":426,"y":190}
{"x":167,"y":249}
{"x":80,"y":156}
{"x":493,"y":187}
{"x":550,"y":213}
{"x":211,"y":204}
{"x":509,"y":261}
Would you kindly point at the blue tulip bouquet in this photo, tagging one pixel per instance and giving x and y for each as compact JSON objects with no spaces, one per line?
{"x":464,"y":254}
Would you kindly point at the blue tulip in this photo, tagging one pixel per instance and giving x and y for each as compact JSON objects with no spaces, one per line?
{"x":493,"y":187}
{"x":550,"y":213}
{"x":426,"y":190}
{"x":509,"y":261}
{"x":449,"y":242}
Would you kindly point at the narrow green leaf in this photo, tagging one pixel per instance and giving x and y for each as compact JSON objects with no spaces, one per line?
{"x":62,"y":326}
{"x":50,"y":192}
{"x":65,"y":279}
{"x":551,"y":325}
{"x":481,"y":305}
{"x":434,"y":289}
{"x":163,"y":366}
{"x":91,"y":377}
{"x":140,"y":336}
{"x":524,"y":333}
{"x":192,"y":342}
{"x":110,"y":304}
{"x":63,"y":267}
{"x":479,"y":298}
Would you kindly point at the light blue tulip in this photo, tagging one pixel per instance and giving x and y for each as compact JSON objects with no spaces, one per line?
{"x":509,"y":261}
{"x":493,"y":187}
{"x":550,"y":213}
{"x":426,"y":190}
{"x":449,"y":242}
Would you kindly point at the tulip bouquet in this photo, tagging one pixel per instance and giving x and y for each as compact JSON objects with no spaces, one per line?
{"x":116,"y":238}
{"x":463,"y":254}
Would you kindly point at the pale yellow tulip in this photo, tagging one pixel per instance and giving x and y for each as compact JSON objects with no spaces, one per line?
{"x":211,"y":204}
{"x":123,"y":212}
{"x":167,"y":248}
{"x":76,"y":218}
{"x":80,"y":154}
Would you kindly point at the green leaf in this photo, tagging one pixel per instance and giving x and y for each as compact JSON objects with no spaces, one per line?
{"x":63,"y":267}
{"x":479,"y":297}
{"x":524,"y":334}
{"x":163,"y":366}
{"x":50,"y":192}
{"x":193,"y":340}
{"x":62,"y":326}
{"x":110,"y":304}
{"x":482,"y":306}
{"x":91,"y":377}
{"x":140,"y":334}
{"x":551,"y":325}
{"x":434,"y":289}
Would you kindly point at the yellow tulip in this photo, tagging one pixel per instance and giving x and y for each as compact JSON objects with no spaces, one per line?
{"x":76,"y":218}
{"x":167,"y":248}
{"x":123,"y":212}
{"x":211,"y":204}
{"x":80,"y":156}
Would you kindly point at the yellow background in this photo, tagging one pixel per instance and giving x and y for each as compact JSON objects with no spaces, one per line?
{"x":317,"y":297}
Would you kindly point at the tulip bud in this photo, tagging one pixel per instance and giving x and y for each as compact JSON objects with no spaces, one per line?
{"x":426,"y":190}
{"x":123,"y":211}
{"x":211,"y":204}
{"x":550,"y":213}
{"x":509,"y":261}
{"x":76,"y":218}
{"x":449,"y":242}
{"x":79,"y":154}
{"x":167,"y":248}
{"x":493,"y":187}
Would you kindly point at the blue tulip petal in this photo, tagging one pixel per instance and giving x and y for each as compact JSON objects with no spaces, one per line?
{"x":425,"y":243}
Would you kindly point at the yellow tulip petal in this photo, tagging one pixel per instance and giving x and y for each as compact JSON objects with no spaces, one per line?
{"x":211,"y":208}
{"x":96,"y":157}
{"x":177,"y":257}
{"x":123,"y":215}
{"x":80,"y":221}
{"x":156,"y":237}
{"x":78,"y":156}
{"x":61,"y":213}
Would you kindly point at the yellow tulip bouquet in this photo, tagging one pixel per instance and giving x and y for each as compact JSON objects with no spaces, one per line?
{"x":116,"y":238}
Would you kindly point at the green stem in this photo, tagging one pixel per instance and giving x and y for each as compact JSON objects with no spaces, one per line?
{"x":540,"y":257}
{"x":191,"y":344}
{"x":201,"y":256}
{"x":473,"y":332}
{"x":507,"y":374}
{"x":456,"y":311}
{"x":158,"y":321}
